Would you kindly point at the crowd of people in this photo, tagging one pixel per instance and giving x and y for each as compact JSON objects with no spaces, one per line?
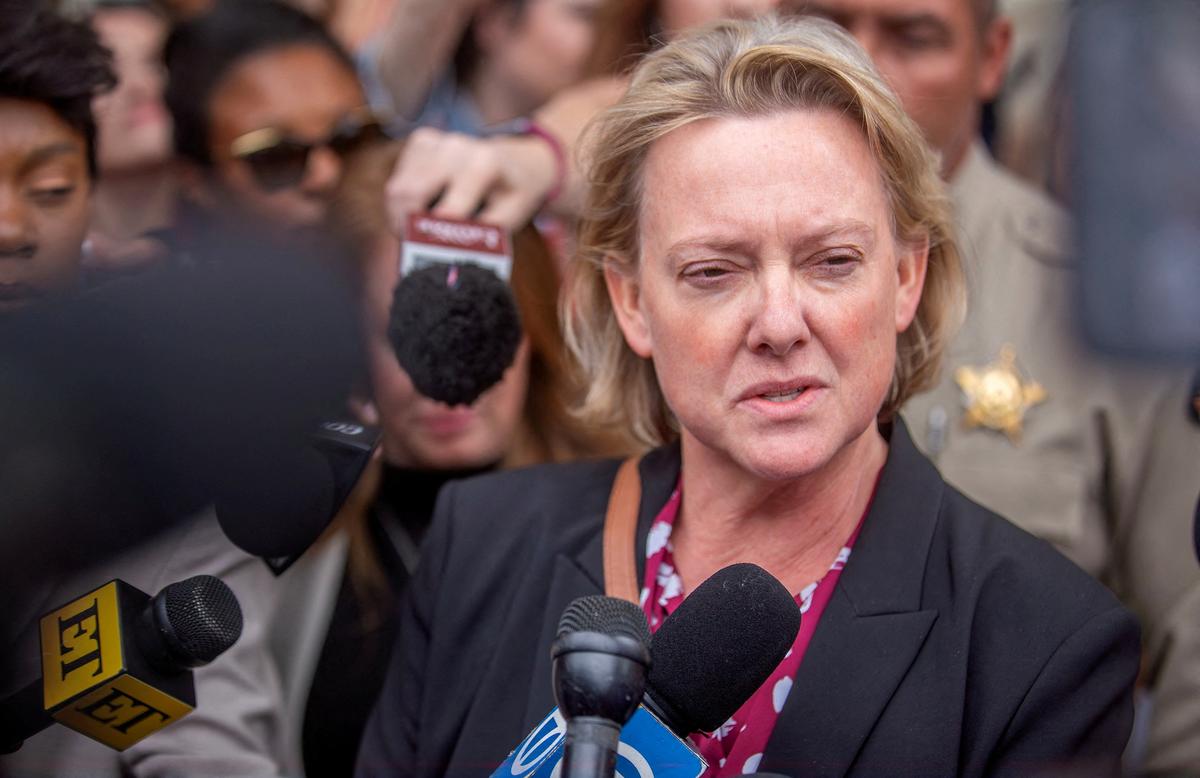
{"x":766,"y":247}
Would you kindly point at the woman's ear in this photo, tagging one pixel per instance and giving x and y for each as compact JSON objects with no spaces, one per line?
{"x":910,"y":281}
{"x":624,"y":291}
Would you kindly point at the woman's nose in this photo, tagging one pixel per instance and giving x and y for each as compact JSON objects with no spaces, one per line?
{"x":780,"y":317}
{"x":16,"y":240}
{"x":324,"y":171}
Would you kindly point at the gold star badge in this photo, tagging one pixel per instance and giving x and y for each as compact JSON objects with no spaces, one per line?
{"x":995,"y":395}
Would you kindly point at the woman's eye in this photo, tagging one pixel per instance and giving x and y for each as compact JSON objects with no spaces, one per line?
{"x":838,"y":264}
{"x":52,"y":195}
{"x":706,"y":273}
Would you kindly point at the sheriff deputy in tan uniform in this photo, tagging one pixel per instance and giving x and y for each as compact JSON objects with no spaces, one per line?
{"x":1097,"y":457}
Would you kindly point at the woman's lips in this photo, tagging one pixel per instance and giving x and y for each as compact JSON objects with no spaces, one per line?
{"x":783,"y":399}
{"x":447,"y":422}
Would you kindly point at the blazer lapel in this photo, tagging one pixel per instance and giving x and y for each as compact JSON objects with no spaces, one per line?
{"x":583,"y":573}
{"x":871,"y":630}
{"x":568,"y":581}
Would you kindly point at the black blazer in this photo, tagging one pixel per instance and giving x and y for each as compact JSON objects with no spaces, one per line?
{"x":954,"y":644}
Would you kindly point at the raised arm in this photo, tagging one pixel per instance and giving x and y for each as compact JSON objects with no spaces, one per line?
{"x":417,"y":45}
{"x":502,"y":179}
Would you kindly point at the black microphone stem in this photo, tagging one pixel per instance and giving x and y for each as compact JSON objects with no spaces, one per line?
{"x":22,"y":716}
{"x":590,"y":748}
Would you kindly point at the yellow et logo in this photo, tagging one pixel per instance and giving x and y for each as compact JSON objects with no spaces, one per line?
{"x":122,"y":712}
{"x":81,"y":646}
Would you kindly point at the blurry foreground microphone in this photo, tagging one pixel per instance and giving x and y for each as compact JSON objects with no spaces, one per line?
{"x":121,"y":410}
{"x":116,"y":663}
{"x":601,"y":658}
{"x":287,"y":495}
{"x":717,"y":648}
{"x":454,"y":323}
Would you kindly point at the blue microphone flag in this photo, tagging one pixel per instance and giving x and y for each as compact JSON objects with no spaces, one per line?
{"x":648,"y":749}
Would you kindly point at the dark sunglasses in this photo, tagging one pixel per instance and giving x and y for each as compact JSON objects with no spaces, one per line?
{"x":279,"y":162}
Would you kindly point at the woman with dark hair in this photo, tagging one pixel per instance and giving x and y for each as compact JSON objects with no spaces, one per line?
{"x":48,"y":165}
{"x":266,"y":104}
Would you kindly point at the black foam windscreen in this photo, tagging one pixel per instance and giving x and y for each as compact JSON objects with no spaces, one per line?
{"x":720,"y":645}
{"x":609,"y":615}
{"x":455,"y":330}
{"x":199,"y":618}
{"x":283,"y":501}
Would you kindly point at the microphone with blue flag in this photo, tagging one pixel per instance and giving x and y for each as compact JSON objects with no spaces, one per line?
{"x":708,"y":657}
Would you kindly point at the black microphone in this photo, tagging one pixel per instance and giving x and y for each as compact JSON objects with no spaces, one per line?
{"x":280,"y":504}
{"x":721,"y":644}
{"x":708,"y":657}
{"x":116,"y":663}
{"x":601,"y":660}
{"x":119,"y":408}
{"x":455,"y":330}
{"x":286,"y":495}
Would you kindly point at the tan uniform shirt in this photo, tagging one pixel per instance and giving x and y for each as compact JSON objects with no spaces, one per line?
{"x":1106,"y":467}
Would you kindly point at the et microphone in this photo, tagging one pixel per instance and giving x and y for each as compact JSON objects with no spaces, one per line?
{"x":707,"y":658}
{"x":116,"y":663}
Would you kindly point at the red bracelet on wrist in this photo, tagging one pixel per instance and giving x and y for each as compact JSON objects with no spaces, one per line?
{"x":531,"y":127}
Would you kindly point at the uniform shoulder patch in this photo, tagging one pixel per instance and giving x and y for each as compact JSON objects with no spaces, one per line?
{"x":1044,"y":231}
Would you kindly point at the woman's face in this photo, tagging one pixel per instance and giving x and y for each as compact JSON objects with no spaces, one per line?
{"x":44,"y":202}
{"x":302,"y":93}
{"x":419,"y":432}
{"x":770,"y":289}
{"x":542,"y":48}
{"x":134,"y":128}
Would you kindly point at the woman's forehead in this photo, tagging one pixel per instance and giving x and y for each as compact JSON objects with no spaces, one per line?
{"x":801,"y":172}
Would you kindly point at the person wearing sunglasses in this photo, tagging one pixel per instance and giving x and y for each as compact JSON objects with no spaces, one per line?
{"x":266,"y":105}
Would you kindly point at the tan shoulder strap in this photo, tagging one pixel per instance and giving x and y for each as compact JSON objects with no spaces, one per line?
{"x":620,"y":530}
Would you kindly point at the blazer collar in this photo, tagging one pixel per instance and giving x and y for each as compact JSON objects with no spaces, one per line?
{"x":871,"y":630}
{"x":890,"y":551}
{"x":582,"y":573}
{"x":888,"y":564}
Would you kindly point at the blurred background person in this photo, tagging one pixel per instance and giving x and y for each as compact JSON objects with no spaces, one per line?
{"x":486,"y":76}
{"x":48,"y":160}
{"x":768,"y":270}
{"x":136,"y":190}
{"x":265,"y":105}
{"x":511,"y":58}
{"x":1031,"y":110}
{"x":507,"y":178}
{"x":350,"y":583}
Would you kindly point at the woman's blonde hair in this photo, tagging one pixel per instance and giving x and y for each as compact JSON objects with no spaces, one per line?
{"x":746,"y":69}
